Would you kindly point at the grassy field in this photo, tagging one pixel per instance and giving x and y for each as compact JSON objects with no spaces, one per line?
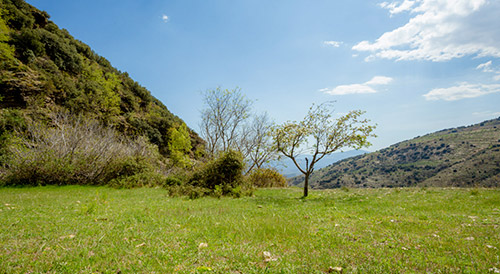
{"x":104,"y":230}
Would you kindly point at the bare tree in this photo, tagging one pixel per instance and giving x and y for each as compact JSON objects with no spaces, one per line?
{"x":225,"y":112}
{"x":227,"y":124}
{"x":257,"y":143}
{"x":321,"y":135}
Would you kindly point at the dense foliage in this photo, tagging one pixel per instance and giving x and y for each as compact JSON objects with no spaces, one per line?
{"x":222,"y":175}
{"x":44,"y":70}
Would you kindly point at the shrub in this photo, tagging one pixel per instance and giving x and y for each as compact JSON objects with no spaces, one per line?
{"x":172,"y":181}
{"x":28,"y":41}
{"x":221,"y":176}
{"x":76,"y":151}
{"x":267,"y":177}
{"x":62,"y":53}
{"x":226,"y":170}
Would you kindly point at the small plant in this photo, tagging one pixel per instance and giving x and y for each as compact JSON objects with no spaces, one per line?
{"x":474,"y":191}
{"x":144,"y":179}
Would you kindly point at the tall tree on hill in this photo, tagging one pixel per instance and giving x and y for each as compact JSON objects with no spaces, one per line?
{"x":318,"y":133}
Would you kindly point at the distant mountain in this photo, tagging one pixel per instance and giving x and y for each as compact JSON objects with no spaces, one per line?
{"x":461,"y":157}
{"x":288,"y":168}
{"x":44,"y":70}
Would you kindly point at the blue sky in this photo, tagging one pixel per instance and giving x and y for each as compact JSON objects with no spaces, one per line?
{"x":414,"y":66}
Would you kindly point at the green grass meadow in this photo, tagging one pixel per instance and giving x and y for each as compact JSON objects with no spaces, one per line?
{"x":77,"y":229}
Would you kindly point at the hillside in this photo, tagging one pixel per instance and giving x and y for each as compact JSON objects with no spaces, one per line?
{"x":44,"y":70}
{"x":464,"y":156}
{"x":288,"y":168}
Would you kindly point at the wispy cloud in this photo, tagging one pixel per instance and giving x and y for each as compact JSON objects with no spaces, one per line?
{"x":395,"y":7}
{"x":488,"y":68}
{"x":439,"y":30}
{"x":485,"y":67}
{"x":165,"y":18}
{"x":487,"y":113}
{"x":334,"y":44}
{"x":461,"y":91}
{"x":367,"y":87}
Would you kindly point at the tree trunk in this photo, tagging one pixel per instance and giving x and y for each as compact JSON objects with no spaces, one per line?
{"x":306,"y":185}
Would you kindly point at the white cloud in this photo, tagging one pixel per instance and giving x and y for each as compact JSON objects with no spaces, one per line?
{"x":334,"y":44}
{"x":461,"y":91}
{"x":439,"y":30}
{"x":165,"y":18}
{"x":395,"y":7}
{"x":487,"y":67}
{"x":366,"y":87}
{"x":379,"y":80}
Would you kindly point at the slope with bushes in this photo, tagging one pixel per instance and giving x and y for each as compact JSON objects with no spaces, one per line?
{"x":68,"y":117}
{"x":44,"y":70}
{"x":464,"y":156}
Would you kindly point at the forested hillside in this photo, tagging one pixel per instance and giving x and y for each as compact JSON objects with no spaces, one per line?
{"x":464,"y":156}
{"x":68,"y":117}
{"x":44,"y":70}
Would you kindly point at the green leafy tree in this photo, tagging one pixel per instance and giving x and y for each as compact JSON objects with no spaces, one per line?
{"x":318,"y":133}
{"x":180,"y":146}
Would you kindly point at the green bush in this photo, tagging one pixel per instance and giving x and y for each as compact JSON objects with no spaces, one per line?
{"x":267,"y":177}
{"x":222,"y":176}
{"x":28,"y":44}
{"x":224,"y":171}
{"x":172,"y":181}
{"x":61,"y":52}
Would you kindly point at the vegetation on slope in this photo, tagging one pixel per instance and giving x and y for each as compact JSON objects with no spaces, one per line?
{"x":464,"y":156}
{"x":44,"y":70}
